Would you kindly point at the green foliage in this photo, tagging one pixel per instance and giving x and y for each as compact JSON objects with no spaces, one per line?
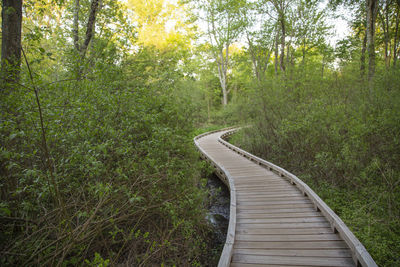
{"x":121,"y":153}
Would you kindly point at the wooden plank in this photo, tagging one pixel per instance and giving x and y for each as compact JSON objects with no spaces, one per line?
{"x":270,"y":198}
{"x":274,"y":203}
{"x":287,"y":237}
{"x":269,"y":173}
{"x":288,"y":231}
{"x":250,"y":176}
{"x":253,"y":175}
{"x":241,"y":226}
{"x":240,"y":264}
{"x":266,"y":188}
{"x":283,"y":220}
{"x":261,"y":182}
{"x":275,"y":200}
{"x":273,"y":211}
{"x":264,"y":184}
{"x":245,"y":168}
{"x":322,"y":253}
{"x":292,"y":245}
{"x":288,"y":260}
{"x":270,"y":207}
{"x":255,"y":195}
{"x":278,"y":215}
{"x":269,"y":194}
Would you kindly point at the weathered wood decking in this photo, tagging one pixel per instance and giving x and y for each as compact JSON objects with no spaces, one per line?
{"x":276,"y":220}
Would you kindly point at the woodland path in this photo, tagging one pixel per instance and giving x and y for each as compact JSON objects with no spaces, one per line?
{"x":276,"y":219}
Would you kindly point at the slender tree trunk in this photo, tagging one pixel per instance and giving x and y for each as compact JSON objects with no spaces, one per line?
{"x":396,"y":34}
{"x":253,"y":58}
{"x":224,"y":93}
{"x":260,"y":59}
{"x":208,"y":108}
{"x":283,"y":36}
{"x":265,"y":65}
{"x":11,"y":15}
{"x":276,"y":51}
{"x":90,"y":27}
{"x":384,"y":19}
{"x":222,"y":71}
{"x":372,"y":10}
{"x":362,"y":58}
{"x":288,"y":54}
{"x":388,"y":46}
{"x":75,"y":30}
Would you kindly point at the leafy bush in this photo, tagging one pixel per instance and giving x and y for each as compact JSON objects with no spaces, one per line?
{"x":125,"y":169}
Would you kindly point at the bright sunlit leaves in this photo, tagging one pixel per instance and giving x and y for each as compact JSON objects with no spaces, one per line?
{"x":160,"y":23}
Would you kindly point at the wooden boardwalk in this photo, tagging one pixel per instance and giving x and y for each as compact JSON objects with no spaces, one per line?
{"x":276,"y":220}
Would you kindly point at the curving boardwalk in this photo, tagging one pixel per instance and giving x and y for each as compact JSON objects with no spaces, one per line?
{"x":276,"y":220}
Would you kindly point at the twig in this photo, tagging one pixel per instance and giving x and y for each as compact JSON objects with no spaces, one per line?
{"x":44,"y":142}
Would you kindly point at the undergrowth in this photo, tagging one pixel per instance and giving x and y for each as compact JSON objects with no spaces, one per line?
{"x":128,"y":187}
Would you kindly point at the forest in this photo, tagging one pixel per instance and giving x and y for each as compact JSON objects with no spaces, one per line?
{"x":100,"y":101}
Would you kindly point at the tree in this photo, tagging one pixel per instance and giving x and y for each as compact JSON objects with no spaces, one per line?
{"x":159,"y":23}
{"x":278,"y":11}
{"x":82,"y":48}
{"x":372,"y":12}
{"x":226,"y":21}
{"x":396,"y":50}
{"x":310,"y":26}
{"x":261,"y":46}
{"x":388,"y":15}
{"x":11,"y":15}
{"x":281,"y":8}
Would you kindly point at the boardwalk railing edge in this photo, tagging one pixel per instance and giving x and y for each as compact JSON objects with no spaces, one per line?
{"x":226,"y":255}
{"x":360,"y":255}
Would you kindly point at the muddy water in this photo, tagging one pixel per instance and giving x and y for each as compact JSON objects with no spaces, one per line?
{"x":218,"y":210}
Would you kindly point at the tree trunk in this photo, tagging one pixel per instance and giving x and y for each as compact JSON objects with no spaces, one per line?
{"x":222,"y":71}
{"x":283,"y":36}
{"x":208,"y":108}
{"x":11,"y":15}
{"x":260,"y":59}
{"x":362,"y":58}
{"x":90,"y":27}
{"x":224,"y":93}
{"x":396,"y":33}
{"x":288,"y":54}
{"x":276,"y":51}
{"x":253,"y":58}
{"x":384,"y":19}
{"x":75,"y":30}
{"x":372,"y":10}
